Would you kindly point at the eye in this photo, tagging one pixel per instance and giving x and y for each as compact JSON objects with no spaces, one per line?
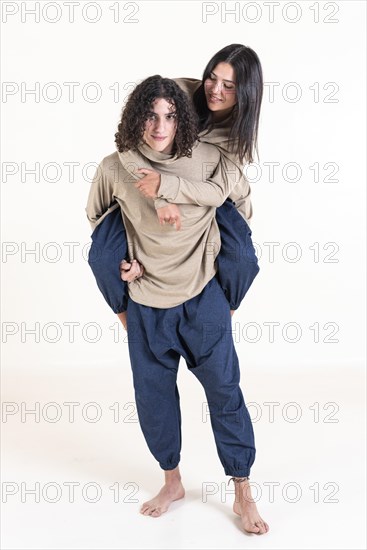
{"x":229,"y":87}
{"x":171,"y":116}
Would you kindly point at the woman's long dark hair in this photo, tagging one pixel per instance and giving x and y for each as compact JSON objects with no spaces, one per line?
{"x":139,"y":105}
{"x":249,"y":90}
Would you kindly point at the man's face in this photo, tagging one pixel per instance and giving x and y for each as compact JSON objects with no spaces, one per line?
{"x":160,"y":127}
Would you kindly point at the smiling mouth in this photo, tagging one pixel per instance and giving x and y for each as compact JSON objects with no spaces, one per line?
{"x":214,"y":99}
{"x":159,"y":138}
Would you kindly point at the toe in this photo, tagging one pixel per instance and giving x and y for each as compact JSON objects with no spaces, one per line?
{"x":264,"y":527}
{"x":251,"y":528}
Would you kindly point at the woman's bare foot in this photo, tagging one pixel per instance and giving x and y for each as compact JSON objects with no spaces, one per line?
{"x":123,"y":318}
{"x":245,"y":507}
{"x":171,"y":490}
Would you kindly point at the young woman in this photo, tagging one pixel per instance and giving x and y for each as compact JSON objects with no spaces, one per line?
{"x":228,"y":102}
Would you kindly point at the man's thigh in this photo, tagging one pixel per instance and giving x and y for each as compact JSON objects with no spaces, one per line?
{"x":206,"y":328}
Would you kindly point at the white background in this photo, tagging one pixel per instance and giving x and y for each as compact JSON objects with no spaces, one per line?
{"x":315,"y":227}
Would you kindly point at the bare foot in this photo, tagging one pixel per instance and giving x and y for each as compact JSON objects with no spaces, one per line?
{"x":245,"y":507}
{"x":171,"y":490}
{"x":123,"y":318}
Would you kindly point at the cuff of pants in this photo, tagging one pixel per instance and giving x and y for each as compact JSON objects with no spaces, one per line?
{"x":170,"y":466}
{"x":237,"y":473}
{"x":235,"y":280}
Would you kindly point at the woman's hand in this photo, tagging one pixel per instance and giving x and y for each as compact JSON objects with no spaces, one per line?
{"x":130,"y":271}
{"x":149,"y":184}
{"x":169,"y":214}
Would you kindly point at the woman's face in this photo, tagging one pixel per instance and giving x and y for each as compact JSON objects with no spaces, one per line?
{"x":220,"y":88}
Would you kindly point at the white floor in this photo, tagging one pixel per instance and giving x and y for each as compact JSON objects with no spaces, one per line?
{"x":308,"y":474}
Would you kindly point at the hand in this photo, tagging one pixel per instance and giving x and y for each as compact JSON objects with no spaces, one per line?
{"x":149,"y":184}
{"x":129,"y":272}
{"x":170,"y":214}
{"x":232,"y":312}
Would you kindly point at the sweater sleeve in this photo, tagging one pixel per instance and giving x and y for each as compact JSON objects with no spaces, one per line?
{"x":131,"y":161}
{"x":188,"y":85}
{"x":212,"y":191}
{"x":101,"y":195}
{"x":241,"y":194}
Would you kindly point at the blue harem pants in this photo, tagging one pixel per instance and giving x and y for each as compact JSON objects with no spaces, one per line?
{"x":200,"y":331}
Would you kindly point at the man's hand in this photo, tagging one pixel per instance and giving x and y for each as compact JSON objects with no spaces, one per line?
{"x":149,"y":184}
{"x":129,"y":272}
{"x":169,"y":214}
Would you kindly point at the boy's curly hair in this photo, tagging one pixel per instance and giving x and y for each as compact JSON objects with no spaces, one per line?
{"x":139,"y":105}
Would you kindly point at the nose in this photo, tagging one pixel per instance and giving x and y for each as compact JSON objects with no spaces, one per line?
{"x":217,"y":87}
{"x":160,"y":125}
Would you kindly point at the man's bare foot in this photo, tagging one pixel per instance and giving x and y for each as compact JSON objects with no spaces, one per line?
{"x":171,"y":490}
{"x":245,"y":507}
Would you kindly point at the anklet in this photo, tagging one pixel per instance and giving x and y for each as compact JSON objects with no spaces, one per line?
{"x":238,"y":479}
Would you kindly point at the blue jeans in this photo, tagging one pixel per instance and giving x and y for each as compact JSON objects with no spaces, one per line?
{"x":237,"y":262}
{"x":200,"y":331}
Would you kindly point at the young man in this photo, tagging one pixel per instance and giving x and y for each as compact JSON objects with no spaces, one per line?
{"x":178,"y":307}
